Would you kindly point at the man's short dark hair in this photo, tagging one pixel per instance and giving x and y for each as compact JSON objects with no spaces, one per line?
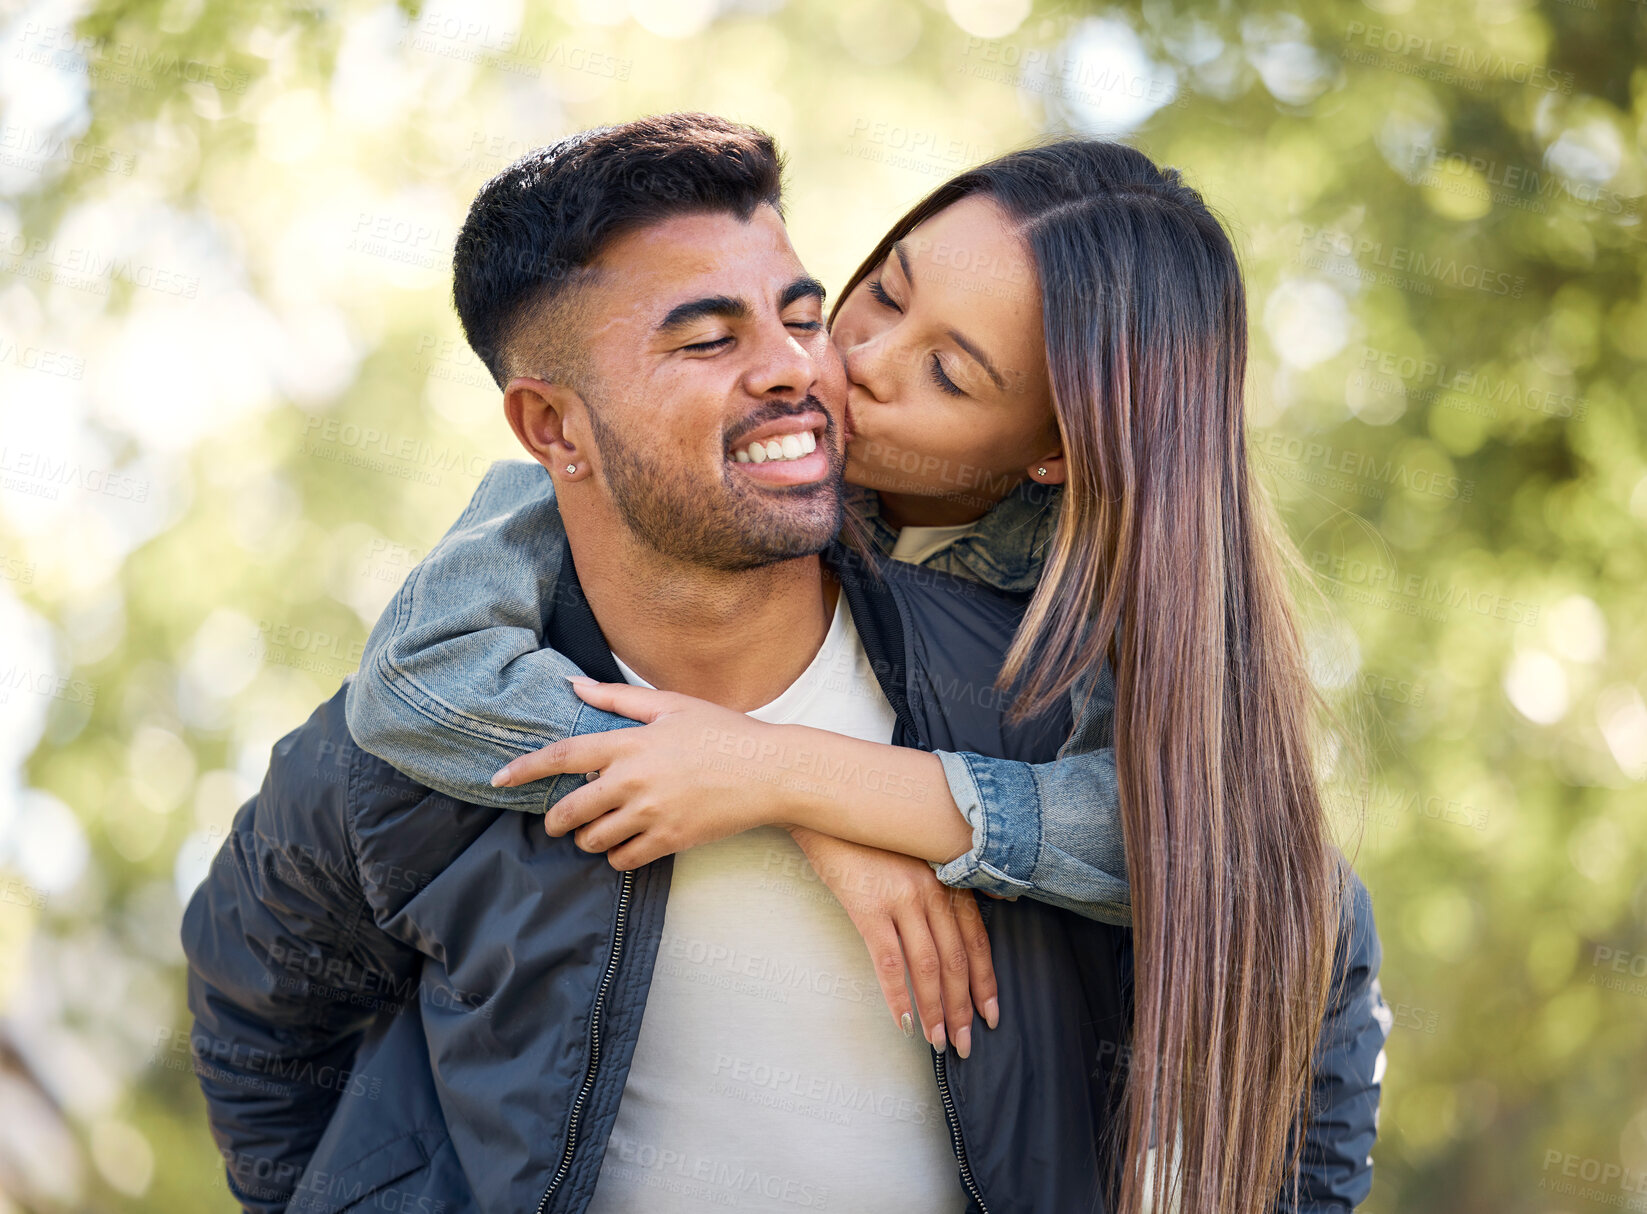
{"x":534,"y":229}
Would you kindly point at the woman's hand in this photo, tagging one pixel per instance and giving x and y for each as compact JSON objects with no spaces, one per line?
{"x":695,"y":773}
{"x":907,"y":916}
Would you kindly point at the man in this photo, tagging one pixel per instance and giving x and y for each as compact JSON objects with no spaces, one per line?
{"x":552,"y":1034}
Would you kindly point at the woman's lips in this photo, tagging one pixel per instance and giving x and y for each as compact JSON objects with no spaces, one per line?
{"x":846,"y":422}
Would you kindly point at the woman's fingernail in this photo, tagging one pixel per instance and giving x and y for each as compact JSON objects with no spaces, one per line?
{"x":500,"y":777}
{"x":938,"y":1039}
{"x":992,"y":1011}
{"x":963,"y":1041}
{"x":581,"y":680}
{"x":908,"y":1025}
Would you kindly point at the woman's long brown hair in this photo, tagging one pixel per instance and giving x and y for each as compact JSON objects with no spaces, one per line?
{"x":1167,"y":563}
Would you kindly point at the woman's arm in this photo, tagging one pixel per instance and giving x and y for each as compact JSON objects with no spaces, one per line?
{"x":1051,"y":831}
{"x":455,"y":679}
{"x":698,"y":772}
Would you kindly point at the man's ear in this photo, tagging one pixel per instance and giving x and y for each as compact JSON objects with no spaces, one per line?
{"x":544,"y":417}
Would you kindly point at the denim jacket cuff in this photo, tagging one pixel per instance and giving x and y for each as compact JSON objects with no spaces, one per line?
{"x":1001,"y":861}
{"x":589,"y":719}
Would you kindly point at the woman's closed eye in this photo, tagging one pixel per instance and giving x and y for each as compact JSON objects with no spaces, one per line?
{"x":941,"y":378}
{"x":936,"y":367}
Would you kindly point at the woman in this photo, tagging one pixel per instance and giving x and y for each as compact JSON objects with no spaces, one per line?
{"x":1046,"y":359}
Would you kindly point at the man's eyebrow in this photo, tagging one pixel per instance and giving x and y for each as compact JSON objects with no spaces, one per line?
{"x":728,"y":306}
{"x":804,"y":287}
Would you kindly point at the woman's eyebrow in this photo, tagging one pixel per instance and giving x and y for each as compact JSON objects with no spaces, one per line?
{"x":979,"y":357}
{"x":955,"y":336}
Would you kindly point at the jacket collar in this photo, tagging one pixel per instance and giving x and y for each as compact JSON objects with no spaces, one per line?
{"x":1005,"y":548}
{"x":571,"y":627}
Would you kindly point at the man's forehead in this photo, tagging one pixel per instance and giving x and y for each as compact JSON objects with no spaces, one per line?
{"x":683,"y":250}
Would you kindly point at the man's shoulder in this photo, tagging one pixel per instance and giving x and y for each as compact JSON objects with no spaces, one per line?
{"x":322,"y":789}
{"x":320,"y":759}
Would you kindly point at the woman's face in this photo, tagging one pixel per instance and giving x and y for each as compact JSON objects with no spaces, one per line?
{"x":948,"y":401}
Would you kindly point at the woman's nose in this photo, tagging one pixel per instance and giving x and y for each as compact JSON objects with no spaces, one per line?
{"x":867,"y":366}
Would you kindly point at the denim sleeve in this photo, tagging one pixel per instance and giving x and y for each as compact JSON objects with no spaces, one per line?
{"x":455,"y":680}
{"x":1048,"y":830}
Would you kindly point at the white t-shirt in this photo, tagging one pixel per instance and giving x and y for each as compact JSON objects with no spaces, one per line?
{"x":769,"y":1074}
{"x":918,"y":544}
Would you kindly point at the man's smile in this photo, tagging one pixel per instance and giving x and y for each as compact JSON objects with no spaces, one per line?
{"x":785,"y":451}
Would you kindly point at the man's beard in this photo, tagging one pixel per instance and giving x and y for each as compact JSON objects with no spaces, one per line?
{"x":731,"y":524}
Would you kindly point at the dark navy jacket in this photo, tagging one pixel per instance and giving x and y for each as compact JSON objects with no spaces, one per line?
{"x":406,"y":1002}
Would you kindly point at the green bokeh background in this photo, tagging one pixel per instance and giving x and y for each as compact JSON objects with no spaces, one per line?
{"x":235,"y":408}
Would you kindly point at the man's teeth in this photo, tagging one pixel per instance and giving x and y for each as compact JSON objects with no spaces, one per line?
{"x":790,"y":446}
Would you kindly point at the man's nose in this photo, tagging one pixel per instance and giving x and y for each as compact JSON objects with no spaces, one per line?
{"x":783,"y":365}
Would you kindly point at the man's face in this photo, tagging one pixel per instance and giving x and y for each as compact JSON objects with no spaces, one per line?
{"x":704,"y":337}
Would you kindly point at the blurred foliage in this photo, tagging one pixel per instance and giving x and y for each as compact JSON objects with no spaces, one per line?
{"x":236,"y":408}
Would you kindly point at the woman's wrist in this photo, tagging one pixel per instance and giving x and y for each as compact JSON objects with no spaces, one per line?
{"x":872,"y":793}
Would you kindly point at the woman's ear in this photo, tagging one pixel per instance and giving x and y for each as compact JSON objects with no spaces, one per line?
{"x":544,"y":416}
{"x":1048,"y":470}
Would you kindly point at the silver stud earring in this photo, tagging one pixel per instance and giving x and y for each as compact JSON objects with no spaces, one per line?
{"x":571,"y":467}
{"x":1040,"y":472}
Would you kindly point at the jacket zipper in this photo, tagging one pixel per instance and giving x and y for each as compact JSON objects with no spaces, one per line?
{"x":626,"y":888}
{"x":940,"y":1067}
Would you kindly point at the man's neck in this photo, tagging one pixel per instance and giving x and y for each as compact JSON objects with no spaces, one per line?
{"x":735,"y":639}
